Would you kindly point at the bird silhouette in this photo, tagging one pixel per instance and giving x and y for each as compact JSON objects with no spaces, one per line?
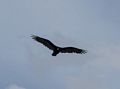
{"x":57,"y":49}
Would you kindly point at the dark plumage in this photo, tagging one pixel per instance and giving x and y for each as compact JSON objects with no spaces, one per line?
{"x":57,"y":49}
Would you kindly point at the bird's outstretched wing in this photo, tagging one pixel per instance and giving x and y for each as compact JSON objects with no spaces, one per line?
{"x":44,"y":41}
{"x":73,"y":50}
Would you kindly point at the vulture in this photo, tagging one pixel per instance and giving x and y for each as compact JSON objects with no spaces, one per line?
{"x":57,"y":49}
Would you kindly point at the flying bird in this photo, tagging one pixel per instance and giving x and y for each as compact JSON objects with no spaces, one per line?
{"x":57,"y":49}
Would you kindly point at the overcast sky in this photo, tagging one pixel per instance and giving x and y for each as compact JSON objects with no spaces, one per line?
{"x":93,"y":25}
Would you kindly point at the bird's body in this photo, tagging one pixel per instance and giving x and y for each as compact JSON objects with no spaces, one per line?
{"x":57,"y":49}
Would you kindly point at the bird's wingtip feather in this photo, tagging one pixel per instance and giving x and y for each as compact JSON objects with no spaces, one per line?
{"x":33,"y":36}
{"x":85,"y":51}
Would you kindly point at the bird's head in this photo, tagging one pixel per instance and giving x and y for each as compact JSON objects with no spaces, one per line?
{"x":58,"y":48}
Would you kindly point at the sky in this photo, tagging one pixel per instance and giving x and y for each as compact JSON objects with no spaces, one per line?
{"x":89,"y":24}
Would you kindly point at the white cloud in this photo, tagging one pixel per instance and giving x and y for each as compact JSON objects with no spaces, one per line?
{"x":14,"y":86}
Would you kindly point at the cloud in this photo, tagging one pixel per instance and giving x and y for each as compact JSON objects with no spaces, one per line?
{"x":14,"y":86}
